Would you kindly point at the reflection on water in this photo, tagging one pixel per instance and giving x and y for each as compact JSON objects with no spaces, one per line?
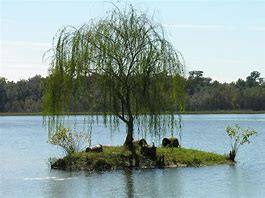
{"x":25,"y":172}
{"x":57,"y":188}
{"x":129,"y":183}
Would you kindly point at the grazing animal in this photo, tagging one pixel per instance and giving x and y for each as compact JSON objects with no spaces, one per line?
{"x":165,"y":142}
{"x":170,"y":142}
{"x":143,"y":142}
{"x":149,"y":152}
{"x":96,"y":149}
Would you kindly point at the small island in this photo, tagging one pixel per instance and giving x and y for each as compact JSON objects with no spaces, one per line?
{"x":124,"y":68}
{"x":120,"y":157}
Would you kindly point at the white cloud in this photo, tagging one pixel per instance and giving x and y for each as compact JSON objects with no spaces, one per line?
{"x":25,"y":44}
{"x":193,"y":26}
{"x":7,"y":21}
{"x":257,"y":28}
{"x":233,"y":61}
{"x":17,"y":71}
{"x":12,"y":22}
{"x":22,"y":59}
{"x":210,"y":27}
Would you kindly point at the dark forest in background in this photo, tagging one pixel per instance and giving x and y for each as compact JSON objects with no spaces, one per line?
{"x":203,"y":94}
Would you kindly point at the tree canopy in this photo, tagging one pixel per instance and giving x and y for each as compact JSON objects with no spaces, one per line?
{"x":124,"y":60}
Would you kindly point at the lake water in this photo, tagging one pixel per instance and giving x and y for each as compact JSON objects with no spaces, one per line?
{"x":25,"y":171}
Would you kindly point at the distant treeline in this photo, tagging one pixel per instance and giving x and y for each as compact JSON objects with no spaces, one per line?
{"x":203,"y":94}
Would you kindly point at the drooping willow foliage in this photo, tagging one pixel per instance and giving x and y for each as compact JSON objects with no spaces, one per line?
{"x":122,"y":62}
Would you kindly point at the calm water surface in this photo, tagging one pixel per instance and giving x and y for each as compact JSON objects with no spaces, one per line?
{"x":25,"y":171}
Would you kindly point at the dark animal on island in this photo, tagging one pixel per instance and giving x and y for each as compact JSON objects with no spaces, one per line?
{"x":170,"y":142}
{"x":96,"y":149}
{"x":149,"y":151}
{"x":142,"y":142}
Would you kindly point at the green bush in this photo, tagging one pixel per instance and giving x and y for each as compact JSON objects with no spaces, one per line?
{"x":238,"y":136}
{"x":69,"y":140}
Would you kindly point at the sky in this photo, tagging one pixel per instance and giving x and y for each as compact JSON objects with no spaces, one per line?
{"x":223,"y":38}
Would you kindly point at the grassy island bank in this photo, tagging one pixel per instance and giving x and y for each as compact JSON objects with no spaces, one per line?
{"x":119,"y":157}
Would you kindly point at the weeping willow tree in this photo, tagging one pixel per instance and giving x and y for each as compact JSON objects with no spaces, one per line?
{"x":123,"y":62}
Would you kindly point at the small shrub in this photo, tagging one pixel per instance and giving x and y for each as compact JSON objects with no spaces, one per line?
{"x":69,"y":140}
{"x":238,"y":136}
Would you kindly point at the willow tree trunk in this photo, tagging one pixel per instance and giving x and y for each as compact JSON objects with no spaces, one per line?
{"x":134,"y":161}
{"x":129,"y":138}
